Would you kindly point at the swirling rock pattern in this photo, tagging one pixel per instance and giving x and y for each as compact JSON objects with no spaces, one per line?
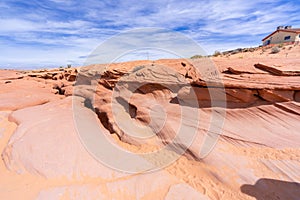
{"x":43,"y":157}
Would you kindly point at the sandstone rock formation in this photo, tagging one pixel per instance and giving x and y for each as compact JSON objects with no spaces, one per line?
{"x":236,"y":126}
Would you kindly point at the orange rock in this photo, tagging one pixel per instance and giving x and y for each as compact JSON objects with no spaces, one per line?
{"x":276,"y":95}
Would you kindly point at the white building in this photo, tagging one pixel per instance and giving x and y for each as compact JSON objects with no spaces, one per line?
{"x":283,"y":34}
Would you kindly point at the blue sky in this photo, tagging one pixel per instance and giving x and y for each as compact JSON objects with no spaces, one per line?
{"x":50,"y":33}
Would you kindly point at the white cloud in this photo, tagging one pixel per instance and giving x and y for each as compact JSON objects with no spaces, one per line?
{"x":17,"y":25}
{"x":68,"y":2}
{"x":12,"y":25}
{"x":30,"y":57}
{"x":151,"y":40}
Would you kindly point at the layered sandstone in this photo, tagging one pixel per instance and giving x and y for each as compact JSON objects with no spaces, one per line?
{"x":247,"y":109}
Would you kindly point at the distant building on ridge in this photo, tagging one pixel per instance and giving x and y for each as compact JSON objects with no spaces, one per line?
{"x":282,"y":34}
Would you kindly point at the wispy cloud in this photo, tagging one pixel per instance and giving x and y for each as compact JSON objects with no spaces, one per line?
{"x":57,"y":32}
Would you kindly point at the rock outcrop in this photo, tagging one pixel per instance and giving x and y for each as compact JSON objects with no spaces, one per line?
{"x":222,"y":130}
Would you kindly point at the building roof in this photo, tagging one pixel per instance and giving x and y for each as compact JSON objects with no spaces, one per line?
{"x":292,"y":30}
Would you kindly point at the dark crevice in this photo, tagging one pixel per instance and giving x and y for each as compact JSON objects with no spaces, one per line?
{"x":129,"y":108}
{"x":225,"y":137}
{"x":102,"y":116}
{"x":181,"y":149}
{"x":258,"y":96}
{"x":296,"y":96}
{"x":88,"y":104}
{"x":174,"y":100}
{"x":60,"y":90}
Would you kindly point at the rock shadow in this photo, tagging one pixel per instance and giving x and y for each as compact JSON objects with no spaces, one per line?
{"x":272,"y":189}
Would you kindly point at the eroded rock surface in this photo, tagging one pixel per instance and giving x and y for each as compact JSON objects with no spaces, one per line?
{"x":144,"y":106}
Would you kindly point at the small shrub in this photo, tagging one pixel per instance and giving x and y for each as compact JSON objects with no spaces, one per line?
{"x":252,"y":49}
{"x":275,"y":50}
{"x":196,"y":56}
{"x":69,"y":66}
{"x":280,"y":45}
{"x":217,"y":53}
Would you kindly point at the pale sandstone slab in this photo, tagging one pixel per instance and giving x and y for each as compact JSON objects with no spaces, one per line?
{"x":46,"y":143}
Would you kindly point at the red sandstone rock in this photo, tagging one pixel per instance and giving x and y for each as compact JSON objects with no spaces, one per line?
{"x":259,"y":135}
